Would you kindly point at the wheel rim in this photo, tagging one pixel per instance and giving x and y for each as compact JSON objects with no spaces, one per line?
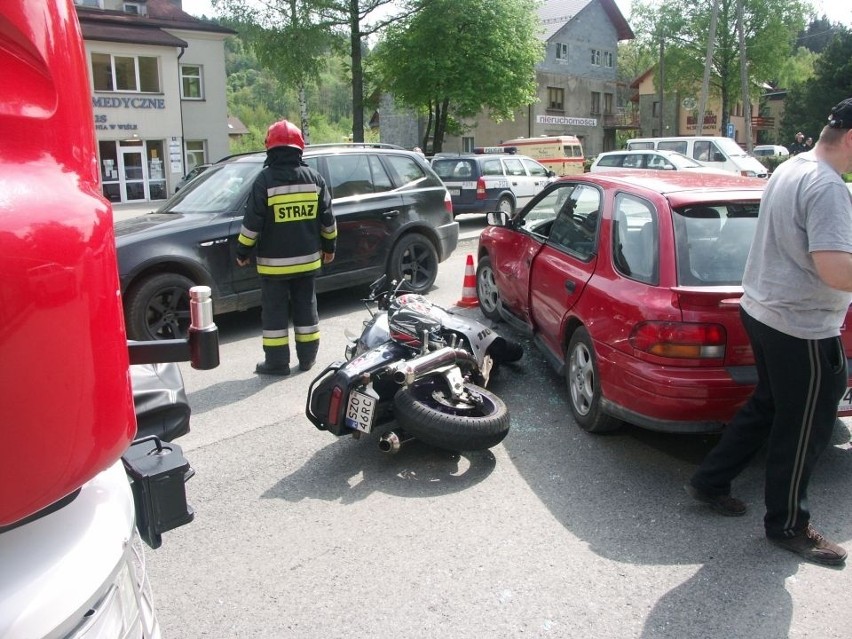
{"x":505,"y":206}
{"x":487,"y":290}
{"x":581,"y":379}
{"x":417,"y":265}
{"x":167,"y":315}
{"x":437,"y":397}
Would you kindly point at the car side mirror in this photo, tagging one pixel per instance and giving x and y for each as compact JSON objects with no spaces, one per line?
{"x":497,"y":218}
{"x":551,"y":174}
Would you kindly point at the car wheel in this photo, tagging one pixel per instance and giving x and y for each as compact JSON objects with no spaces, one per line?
{"x":505,"y":205}
{"x":584,"y":388}
{"x":415,"y":260}
{"x":158,"y":307}
{"x":486,"y":289}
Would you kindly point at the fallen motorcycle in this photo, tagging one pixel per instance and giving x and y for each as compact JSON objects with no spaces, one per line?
{"x":419,"y":366}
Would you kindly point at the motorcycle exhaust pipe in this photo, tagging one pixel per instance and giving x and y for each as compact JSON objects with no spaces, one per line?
{"x":406,"y":372}
{"x":392,"y":441}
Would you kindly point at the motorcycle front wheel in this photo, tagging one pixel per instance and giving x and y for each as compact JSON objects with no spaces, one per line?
{"x":475,"y":421}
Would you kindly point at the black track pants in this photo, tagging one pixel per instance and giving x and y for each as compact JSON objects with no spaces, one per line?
{"x":793,"y":410}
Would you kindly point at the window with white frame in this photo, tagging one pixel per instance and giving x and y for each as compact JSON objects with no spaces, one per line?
{"x":191,"y":85}
{"x":139,"y":74}
{"x":136,"y":8}
{"x":196,"y":153}
{"x":608,"y":59}
{"x":561,"y":52}
{"x":98,"y":4}
{"x":467,"y":144}
{"x":596,"y":57}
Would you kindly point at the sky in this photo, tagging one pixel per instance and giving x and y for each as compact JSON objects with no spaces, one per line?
{"x":836,"y":10}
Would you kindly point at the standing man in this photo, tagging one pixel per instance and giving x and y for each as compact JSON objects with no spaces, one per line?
{"x":797,"y":289}
{"x":288,"y":219}
{"x":799,"y":145}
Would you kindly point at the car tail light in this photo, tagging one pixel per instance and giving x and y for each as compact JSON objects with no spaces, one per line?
{"x":480,"y":189}
{"x":680,"y":340}
{"x":334,"y":405}
{"x":448,"y":203}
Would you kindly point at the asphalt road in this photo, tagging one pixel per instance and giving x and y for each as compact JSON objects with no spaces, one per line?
{"x":553,"y":533}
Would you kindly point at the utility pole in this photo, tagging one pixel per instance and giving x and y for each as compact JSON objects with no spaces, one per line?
{"x":744,"y":78}
{"x":662,"y":82}
{"x":708,"y":62}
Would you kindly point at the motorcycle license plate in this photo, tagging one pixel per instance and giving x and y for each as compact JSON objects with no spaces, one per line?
{"x":359,"y":411}
{"x":845,"y":404}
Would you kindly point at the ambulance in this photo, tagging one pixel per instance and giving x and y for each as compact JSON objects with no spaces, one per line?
{"x":562,"y":154}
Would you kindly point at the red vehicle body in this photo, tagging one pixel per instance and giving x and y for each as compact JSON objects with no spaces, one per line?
{"x":646,"y":338}
{"x":74,"y":485}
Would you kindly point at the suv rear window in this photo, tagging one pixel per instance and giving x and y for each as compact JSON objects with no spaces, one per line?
{"x":409,"y":174}
{"x":712,"y":242}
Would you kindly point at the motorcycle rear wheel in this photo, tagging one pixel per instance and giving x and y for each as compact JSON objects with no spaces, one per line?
{"x":427,"y":411}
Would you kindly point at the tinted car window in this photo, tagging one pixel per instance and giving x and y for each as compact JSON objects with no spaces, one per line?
{"x":534,"y":168}
{"x":611,"y":160}
{"x":575,"y":227}
{"x":409,"y":173}
{"x":350,"y":175}
{"x":633,"y":161}
{"x":514,"y":167}
{"x":712,"y":242}
{"x":381,"y":180}
{"x":492,"y":167}
{"x":673,"y":145}
{"x":635,"y":247}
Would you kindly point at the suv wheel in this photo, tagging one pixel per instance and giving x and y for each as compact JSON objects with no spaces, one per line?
{"x":158,"y":307}
{"x":414,"y":259}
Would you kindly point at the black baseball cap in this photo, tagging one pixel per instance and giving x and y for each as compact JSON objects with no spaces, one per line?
{"x":841,"y":115}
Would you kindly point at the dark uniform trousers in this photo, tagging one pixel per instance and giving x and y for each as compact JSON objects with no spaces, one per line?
{"x":793,"y":410}
{"x":277,"y":295}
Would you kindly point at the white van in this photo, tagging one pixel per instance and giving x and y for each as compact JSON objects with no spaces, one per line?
{"x":717,"y":152}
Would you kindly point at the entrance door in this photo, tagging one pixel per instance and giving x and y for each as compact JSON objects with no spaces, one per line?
{"x":133,"y":175}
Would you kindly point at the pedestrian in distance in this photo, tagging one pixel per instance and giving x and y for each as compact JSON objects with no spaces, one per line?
{"x":798,"y":146}
{"x":809,"y":144}
{"x":797,"y":289}
{"x":289,"y":224}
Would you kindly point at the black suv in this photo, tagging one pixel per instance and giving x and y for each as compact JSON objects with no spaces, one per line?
{"x":394,"y":216}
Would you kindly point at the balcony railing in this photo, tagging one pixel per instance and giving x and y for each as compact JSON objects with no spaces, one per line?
{"x":622,"y":118}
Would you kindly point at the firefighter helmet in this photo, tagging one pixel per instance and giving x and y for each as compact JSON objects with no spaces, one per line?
{"x":284,"y":133}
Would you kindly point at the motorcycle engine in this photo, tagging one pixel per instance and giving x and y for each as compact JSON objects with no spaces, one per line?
{"x":409,"y":316}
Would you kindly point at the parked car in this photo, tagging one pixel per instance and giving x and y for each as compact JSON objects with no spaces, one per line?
{"x":630,"y":284}
{"x":648,"y":159}
{"x":482,"y":182}
{"x":713,"y":151}
{"x":770,"y":150}
{"x":394,"y":216}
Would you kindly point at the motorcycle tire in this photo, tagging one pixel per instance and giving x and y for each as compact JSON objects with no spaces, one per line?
{"x":426,"y":411}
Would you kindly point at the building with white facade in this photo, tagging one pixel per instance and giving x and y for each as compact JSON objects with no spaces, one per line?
{"x":158,"y":92}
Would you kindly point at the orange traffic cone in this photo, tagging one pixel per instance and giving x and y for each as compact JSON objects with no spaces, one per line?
{"x":468,"y":298}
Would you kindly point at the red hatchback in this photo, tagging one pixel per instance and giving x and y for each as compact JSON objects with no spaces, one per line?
{"x":630,"y":285}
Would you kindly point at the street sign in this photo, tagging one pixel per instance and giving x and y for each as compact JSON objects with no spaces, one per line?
{"x":729,"y":131}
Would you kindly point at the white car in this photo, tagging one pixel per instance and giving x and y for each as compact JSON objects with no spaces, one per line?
{"x":648,"y":159}
{"x":770,"y":150}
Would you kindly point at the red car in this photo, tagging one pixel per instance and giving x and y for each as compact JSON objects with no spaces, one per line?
{"x":629,"y":283}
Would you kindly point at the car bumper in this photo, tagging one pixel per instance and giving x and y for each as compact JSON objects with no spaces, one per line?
{"x":477,"y":206}
{"x":448,"y":239}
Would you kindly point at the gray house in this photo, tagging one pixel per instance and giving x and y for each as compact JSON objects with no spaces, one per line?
{"x":577,"y":85}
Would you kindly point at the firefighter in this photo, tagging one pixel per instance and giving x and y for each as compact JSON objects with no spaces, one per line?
{"x":289,"y":223}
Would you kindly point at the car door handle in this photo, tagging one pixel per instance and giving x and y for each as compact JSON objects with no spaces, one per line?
{"x":388,"y":215}
{"x":570,"y":285}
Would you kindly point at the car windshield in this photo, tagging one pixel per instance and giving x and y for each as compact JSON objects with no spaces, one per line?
{"x":730,"y":147}
{"x":683,"y":162}
{"x":220,"y":188}
{"x":712,"y":242}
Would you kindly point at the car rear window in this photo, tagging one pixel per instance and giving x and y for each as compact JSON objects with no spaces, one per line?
{"x":453,"y":169}
{"x":712,"y":242}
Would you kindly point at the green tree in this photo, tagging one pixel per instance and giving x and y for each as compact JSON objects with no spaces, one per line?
{"x":352,"y":19}
{"x":770,"y":28}
{"x":288,"y":39}
{"x":808,"y":103}
{"x":455,"y":59}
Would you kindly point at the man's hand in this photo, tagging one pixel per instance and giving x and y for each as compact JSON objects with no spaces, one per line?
{"x":242,"y":261}
{"x":327,"y":258}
